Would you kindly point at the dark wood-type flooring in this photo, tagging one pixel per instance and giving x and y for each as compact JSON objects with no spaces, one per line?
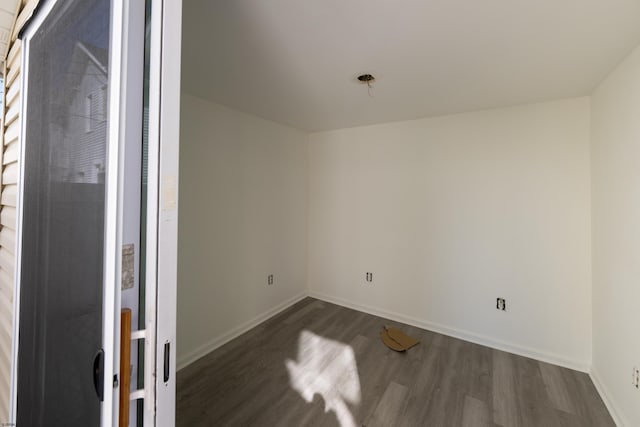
{"x":442,"y":381}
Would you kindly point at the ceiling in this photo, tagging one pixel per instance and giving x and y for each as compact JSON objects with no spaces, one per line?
{"x":296,"y":62}
{"x":8,"y":10}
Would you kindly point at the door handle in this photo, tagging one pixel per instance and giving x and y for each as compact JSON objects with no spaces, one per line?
{"x":98,"y":374}
{"x":167,"y":352}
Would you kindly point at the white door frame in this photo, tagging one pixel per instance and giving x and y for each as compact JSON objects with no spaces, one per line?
{"x":162,"y":208}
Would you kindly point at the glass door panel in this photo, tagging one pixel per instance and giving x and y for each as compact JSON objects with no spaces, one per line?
{"x":60,"y":381}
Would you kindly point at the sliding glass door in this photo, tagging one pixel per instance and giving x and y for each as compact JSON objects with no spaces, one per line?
{"x":80,"y":210}
{"x":61,"y":375}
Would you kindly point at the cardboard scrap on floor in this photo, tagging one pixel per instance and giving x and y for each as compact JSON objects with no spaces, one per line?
{"x":397,"y":340}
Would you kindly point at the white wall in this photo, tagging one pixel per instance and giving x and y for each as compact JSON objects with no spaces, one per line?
{"x":450,"y":213}
{"x":615,"y":146}
{"x":242,"y":217}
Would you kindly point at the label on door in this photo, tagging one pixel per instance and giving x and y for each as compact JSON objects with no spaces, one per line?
{"x":128,"y":268}
{"x":168,"y":192}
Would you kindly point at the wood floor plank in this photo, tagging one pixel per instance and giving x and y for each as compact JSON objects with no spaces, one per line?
{"x":445,"y":399}
{"x":476,"y":413}
{"x":442,"y":381}
{"x":390,"y":406}
{"x":588,"y":403}
{"x":427,"y":380}
{"x":557,"y":387}
{"x":299,"y":314}
{"x":532,"y":402}
{"x":505,"y":409}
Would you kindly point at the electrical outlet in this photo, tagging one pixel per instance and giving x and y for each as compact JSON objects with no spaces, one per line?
{"x":369,"y":277}
{"x":501,"y":304}
{"x":270,"y":279}
{"x":635,"y":378}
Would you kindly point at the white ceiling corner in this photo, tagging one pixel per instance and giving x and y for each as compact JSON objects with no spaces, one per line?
{"x":295,"y":62}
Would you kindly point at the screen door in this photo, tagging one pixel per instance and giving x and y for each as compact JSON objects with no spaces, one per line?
{"x":78,"y":116}
{"x":61,"y":379}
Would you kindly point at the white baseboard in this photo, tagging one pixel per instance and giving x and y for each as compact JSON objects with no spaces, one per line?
{"x":208,"y":347}
{"x":187,"y":359}
{"x":605,"y":395}
{"x":554,"y":359}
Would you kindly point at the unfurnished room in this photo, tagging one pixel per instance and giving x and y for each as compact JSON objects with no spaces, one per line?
{"x":465,"y":173}
{"x":320,"y":213}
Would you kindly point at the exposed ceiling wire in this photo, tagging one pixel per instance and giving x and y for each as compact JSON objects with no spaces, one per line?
{"x":367,"y":79}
